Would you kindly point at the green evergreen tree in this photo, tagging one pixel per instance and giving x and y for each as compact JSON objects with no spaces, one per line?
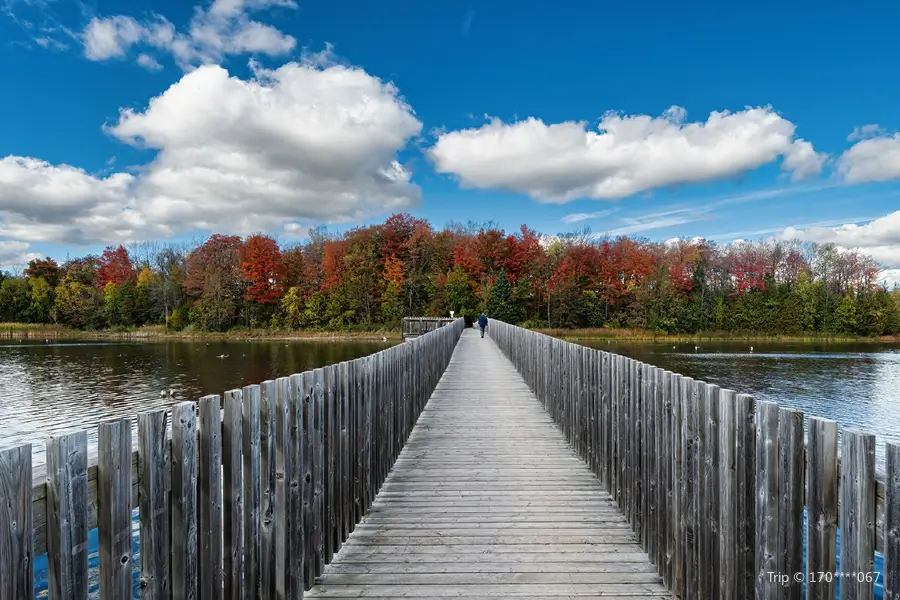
{"x":843,"y":319}
{"x":501,"y":305}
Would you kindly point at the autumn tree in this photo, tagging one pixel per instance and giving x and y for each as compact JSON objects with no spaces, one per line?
{"x":263,"y":270}
{"x":43,"y":268}
{"x":214,"y":280}
{"x":114,"y":267}
{"x":371,"y":276}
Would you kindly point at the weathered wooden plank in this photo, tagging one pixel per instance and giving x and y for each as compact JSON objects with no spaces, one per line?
{"x":295,"y":472}
{"x":651,"y":467}
{"x":344,"y":450}
{"x":637,"y":419}
{"x":822,"y":505}
{"x":114,"y":507}
{"x":857,"y":514}
{"x":710,"y":501}
{"x":745,"y":491}
{"x":620,"y":394}
{"x":766,"y":500}
{"x":185,"y":582}
{"x":677,"y":503}
{"x":306,"y":398}
{"x":727,"y":473}
{"x":153,"y":473}
{"x":892,"y":523}
{"x":17,"y":573}
{"x":252,"y":478}
{"x":365,"y":468}
{"x":690,"y":488}
{"x":790,"y":500}
{"x":319,"y":472}
{"x":328,"y":438}
{"x":267,"y":408}
{"x":212,"y":576}
{"x":605,"y":422}
{"x":67,"y":532}
{"x":232,"y":486}
{"x":666,"y":492}
{"x":594,"y":391}
{"x":284,"y":459}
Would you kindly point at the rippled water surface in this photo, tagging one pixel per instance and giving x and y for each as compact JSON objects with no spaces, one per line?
{"x":60,"y":386}
{"x":857,"y":385}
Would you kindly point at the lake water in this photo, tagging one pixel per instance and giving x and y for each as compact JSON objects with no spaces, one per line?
{"x":60,"y":386}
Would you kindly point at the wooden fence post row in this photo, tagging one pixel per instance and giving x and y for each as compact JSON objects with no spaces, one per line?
{"x":715,"y":484}
{"x":245,"y":496}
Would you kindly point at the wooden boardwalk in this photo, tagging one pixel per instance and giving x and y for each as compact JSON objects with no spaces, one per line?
{"x":487,"y":499}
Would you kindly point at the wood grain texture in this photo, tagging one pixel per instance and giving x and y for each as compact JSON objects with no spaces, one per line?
{"x":857,"y":513}
{"x":67,"y":532}
{"x":791,"y":482}
{"x":267,"y":488}
{"x":711,"y":499}
{"x":153,"y":473}
{"x":892,"y":523}
{"x":319,"y":471}
{"x":114,"y":508}
{"x":232,"y":486}
{"x":16,"y":557}
{"x":822,"y":506}
{"x":745,"y":489}
{"x":185,"y":547}
{"x":210,"y":498}
{"x":252,"y":480}
{"x":728,"y":535}
{"x":766,"y":500}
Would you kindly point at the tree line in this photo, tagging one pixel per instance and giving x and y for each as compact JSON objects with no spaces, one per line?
{"x":370,"y":277}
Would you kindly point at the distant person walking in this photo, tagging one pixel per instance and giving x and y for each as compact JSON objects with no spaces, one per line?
{"x":482,"y":323}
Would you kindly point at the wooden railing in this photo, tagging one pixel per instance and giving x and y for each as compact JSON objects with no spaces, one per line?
{"x":252,"y":498}
{"x":416,"y":326}
{"x":715,"y":484}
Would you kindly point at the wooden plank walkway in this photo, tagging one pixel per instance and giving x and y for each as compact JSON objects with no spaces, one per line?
{"x":488,"y":500}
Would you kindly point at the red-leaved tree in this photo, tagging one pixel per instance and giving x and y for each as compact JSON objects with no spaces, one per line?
{"x":115,"y":267}
{"x":263,"y":270}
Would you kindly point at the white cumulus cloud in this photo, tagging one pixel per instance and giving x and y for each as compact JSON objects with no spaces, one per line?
{"x":626,"y":155}
{"x":298,"y":144}
{"x":14,"y":254}
{"x":876,"y":157}
{"x":224,"y":28}
{"x":879,"y":238}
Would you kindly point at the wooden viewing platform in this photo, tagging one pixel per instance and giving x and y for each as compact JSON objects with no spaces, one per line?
{"x":453,"y":466}
{"x":413,"y":327}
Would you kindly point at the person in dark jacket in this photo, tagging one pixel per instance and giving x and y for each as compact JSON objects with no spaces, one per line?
{"x":482,"y":323}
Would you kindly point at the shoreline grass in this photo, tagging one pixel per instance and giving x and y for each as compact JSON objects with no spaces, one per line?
{"x":638,"y":335}
{"x":158,"y":332}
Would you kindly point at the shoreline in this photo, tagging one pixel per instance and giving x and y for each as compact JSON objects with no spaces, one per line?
{"x":155,"y":333}
{"x":636,"y":335}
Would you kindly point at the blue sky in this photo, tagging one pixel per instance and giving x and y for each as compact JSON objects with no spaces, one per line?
{"x":270,"y":115}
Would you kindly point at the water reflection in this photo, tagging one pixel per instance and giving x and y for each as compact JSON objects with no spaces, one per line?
{"x":857,"y":385}
{"x":57,"y":387}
